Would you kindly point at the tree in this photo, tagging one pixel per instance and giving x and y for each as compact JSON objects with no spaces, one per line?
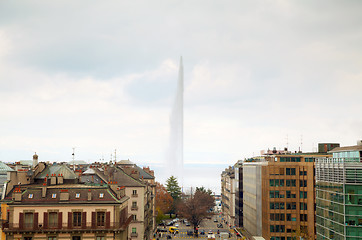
{"x":175,"y":191}
{"x":197,"y":207}
{"x":164,"y":200}
{"x":202,"y":189}
{"x":173,"y":188}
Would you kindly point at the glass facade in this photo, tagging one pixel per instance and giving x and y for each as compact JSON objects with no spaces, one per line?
{"x":339,"y":197}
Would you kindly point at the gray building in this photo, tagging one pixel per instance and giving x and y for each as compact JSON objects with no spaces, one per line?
{"x":252,"y":196}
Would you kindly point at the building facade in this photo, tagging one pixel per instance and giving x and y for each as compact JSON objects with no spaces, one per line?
{"x":55,"y":206}
{"x":239,"y":194}
{"x":252,"y":196}
{"x":228,"y":196}
{"x":289,"y":196}
{"x":339,"y":194}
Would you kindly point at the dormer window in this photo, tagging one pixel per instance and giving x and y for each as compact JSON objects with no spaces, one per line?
{"x":31,"y":195}
{"x":101,"y":195}
{"x":77,"y":195}
{"x":54,"y":195}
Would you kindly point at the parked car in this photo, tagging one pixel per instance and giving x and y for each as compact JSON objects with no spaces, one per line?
{"x":215,"y":220}
{"x":187,"y":223}
{"x":176,"y":225}
{"x":220,"y":225}
{"x":202,"y":232}
{"x":161,"y":230}
{"x":190,"y":233}
{"x":170,"y":223}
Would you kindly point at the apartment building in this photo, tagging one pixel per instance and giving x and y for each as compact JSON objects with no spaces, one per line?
{"x":50,"y":204}
{"x":228,"y":195}
{"x":139,"y":186}
{"x":339,"y":194}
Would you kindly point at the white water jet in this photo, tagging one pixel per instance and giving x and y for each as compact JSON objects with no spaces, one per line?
{"x":175,"y":152}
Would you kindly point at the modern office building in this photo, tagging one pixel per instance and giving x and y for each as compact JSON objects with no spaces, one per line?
{"x":339,"y":194}
{"x":289,"y":196}
{"x":239,"y":194}
{"x":252,"y":196}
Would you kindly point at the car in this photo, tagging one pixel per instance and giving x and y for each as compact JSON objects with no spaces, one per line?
{"x":220,"y":225}
{"x":215,"y":220}
{"x":173,"y":229}
{"x":187,"y":224}
{"x":170,"y":223}
{"x":176,"y":225}
{"x":168,"y":236}
{"x":190,"y":233}
{"x":202,"y":232}
{"x":161,"y":230}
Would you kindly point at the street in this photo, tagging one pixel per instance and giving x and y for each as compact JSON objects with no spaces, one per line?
{"x":206,"y":225}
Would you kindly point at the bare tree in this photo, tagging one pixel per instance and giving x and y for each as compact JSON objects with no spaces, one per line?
{"x":196,"y":208}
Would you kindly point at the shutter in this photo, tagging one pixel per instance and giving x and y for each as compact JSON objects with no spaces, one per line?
{"x":45,"y":221}
{"x":21,"y":220}
{"x":84,"y":220}
{"x":60,"y":220}
{"x":69,"y":220}
{"x":93,"y":220}
{"x":108,"y":219}
{"x":36,"y":218}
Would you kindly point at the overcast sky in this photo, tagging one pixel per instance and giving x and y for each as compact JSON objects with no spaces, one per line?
{"x":101,"y":75}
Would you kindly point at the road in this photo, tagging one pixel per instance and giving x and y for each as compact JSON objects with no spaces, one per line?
{"x":207,"y":225}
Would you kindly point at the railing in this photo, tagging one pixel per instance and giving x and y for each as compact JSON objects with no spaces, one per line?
{"x":112,"y":226}
{"x":339,"y":160}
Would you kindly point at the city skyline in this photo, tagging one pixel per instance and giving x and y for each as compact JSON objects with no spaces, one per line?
{"x":257,"y":75}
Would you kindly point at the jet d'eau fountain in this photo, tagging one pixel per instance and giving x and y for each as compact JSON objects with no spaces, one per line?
{"x":174,"y":159}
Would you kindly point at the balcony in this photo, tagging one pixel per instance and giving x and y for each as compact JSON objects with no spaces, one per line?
{"x":134,"y":235}
{"x":134,"y":208}
{"x":64,"y":227}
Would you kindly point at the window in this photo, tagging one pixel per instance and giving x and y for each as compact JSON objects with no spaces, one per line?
{"x":29,"y":220}
{"x":76,"y":238}
{"x":303,"y":194}
{"x":28,"y":238}
{"x":30,"y":195}
{"x":101,"y":218}
{"x":303,"y":206}
{"x":134,"y":204}
{"x":134,"y":230}
{"x":53,"y":219}
{"x":52,"y":238}
{"x":303,"y":183}
{"x":54,"y":195}
{"x":100,"y":238}
{"x":134,"y":217}
{"x":77,"y":195}
{"x":134,"y":192}
{"x":77,"y":219}
{"x":101,"y":195}
{"x":271,"y":183}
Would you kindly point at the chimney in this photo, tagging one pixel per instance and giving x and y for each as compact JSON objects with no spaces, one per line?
{"x":60,"y":179}
{"x":44,"y":191}
{"x":53,"y":179}
{"x":89,"y":195}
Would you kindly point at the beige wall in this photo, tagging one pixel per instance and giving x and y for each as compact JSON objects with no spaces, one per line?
{"x":140,"y":199}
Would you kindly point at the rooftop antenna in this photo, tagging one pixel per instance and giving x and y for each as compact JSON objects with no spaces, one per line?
{"x":301,"y":142}
{"x":115,"y":155}
{"x":287,"y":142}
{"x":73,"y":159}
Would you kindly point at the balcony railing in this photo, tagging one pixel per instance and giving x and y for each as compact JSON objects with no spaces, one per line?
{"x":111,"y":226}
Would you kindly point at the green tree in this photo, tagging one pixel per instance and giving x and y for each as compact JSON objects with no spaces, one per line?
{"x":173,"y":188}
